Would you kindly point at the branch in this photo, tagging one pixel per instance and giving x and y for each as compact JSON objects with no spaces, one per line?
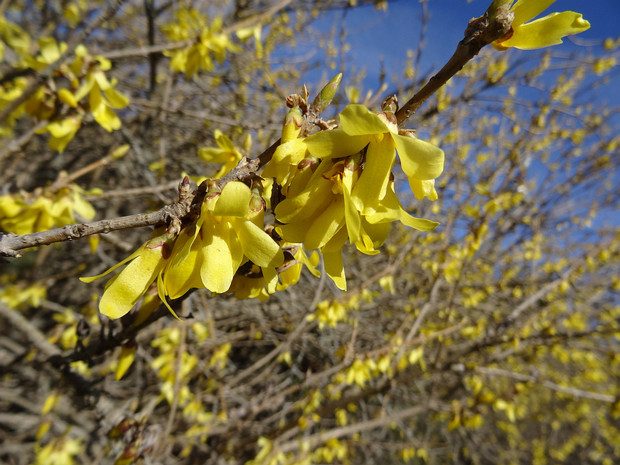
{"x":34,"y":335}
{"x":548,"y":384}
{"x":10,"y":244}
{"x":479,"y":33}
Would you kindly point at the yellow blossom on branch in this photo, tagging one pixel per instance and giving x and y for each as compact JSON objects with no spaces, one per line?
{"x":226,"y":153}
{"x":205,"y":254}
{"x":208,"y":42}
{"x":542,"y":32}
{"x":420,"y":160}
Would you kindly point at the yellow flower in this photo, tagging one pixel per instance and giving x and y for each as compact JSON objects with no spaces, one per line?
{"x":96,"y":87}
{"x":323,"y":215}
{"x":420,"y":160}
{"x":542,"y":32}
{"x":226,"y":236}
{"x":49,"y":52}
{"x":290,"y":151}
{"x":205,"y":254}
{"x":208,"y":41}
{"x":226,"y":153}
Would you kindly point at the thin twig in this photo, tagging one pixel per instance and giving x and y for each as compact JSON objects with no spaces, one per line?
{"x":479,"y":33}
{"x":10,"y":244}
{"x":549,"y":384}
{"x":33,"y":334}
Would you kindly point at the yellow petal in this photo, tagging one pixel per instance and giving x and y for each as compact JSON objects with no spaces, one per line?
{"x":116,"y":99}
{"x":326,"y":225}
{"x":258,"y":246}
{"x":125,"y":289}
{"x":233,"y":201}
{"x":351,"y":213}
{"x":213,"y":155}
{"x":182,"y":275}
{"x":217,"y":270}
{"x":90,"y":279}
{"x":419,"y":159}
{"x":372,"y":184}
{"x":335,"y":144}
{"x":390,"y":209}
{"x":64,"y":127}
{"x":315,"y":198}
{"x":525,"y":10}
{"x":377,"y":233}
{"x":285,"y":159}
{"x":423,"y":189}
{"x":359,"y":120}
{"x":125,"y":360}
{"x":546,"y":31}
{"x":65,"y":96}
{"x":332,"y":259}
{"x":49,"y":49}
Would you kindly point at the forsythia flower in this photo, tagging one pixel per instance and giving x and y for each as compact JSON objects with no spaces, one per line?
{"x":226,"y":153}
{"x":205,"y":254}
{"x":321,"y":214}
{"x":52,"y":209}
{"x":290,"y":151}
{"x":96,"y":87}
{"x":542,"y":32}
{"x":420,"y":160}
{"x":206,"y":41}
{"x":338,"y":183}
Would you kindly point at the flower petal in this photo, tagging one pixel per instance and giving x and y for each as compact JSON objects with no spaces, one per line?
{"x":419,"y":159}
{"x":351,"y":213}
{"x":336,"y":143}
{"x":258,"y":246}
{"x":314,"y":198}
{"x":370,"y":187}
{"x":125,"y":289}
{"x":357,"y":120}
{"x":390,"y":209}
{"x":525,"y":10}
{"x":217,"y":270}
{"x":547,"y":31}
{"x":326,"y":225}
{"x":233,"y":201}
{"x":181,"y":275}
{"x":332,"y":259}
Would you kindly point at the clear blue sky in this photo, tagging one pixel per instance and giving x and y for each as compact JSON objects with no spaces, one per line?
{"x":375,"y":34}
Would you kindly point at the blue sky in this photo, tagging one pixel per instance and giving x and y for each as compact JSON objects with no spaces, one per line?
{"x":376,"y":35}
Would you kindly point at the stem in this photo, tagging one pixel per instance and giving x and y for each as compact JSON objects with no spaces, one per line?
{"x":480,"y":32}
{"x":10,"y":244}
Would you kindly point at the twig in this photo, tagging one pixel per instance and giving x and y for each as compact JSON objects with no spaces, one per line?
{"x":318,"y":438}
{"x":158,"y":48}
{"x":10,"y":244}
{"x":33,"y":334}
{"x":549,"y":384}
{"x":480,"y":32}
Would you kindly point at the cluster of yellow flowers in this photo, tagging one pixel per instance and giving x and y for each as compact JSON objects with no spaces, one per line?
{"x":208,"y":42}
{"x":61,"y":103}
{"x":206,"y":254}
{"x":337,"y":186}
{"x":28,"y":213}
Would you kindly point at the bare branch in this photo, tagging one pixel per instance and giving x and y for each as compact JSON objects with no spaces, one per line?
{"x":479,"y":33}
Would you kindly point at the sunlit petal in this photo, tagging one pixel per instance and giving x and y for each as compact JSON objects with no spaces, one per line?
{"x":419,"y":159}
{"x":357,"y":120}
